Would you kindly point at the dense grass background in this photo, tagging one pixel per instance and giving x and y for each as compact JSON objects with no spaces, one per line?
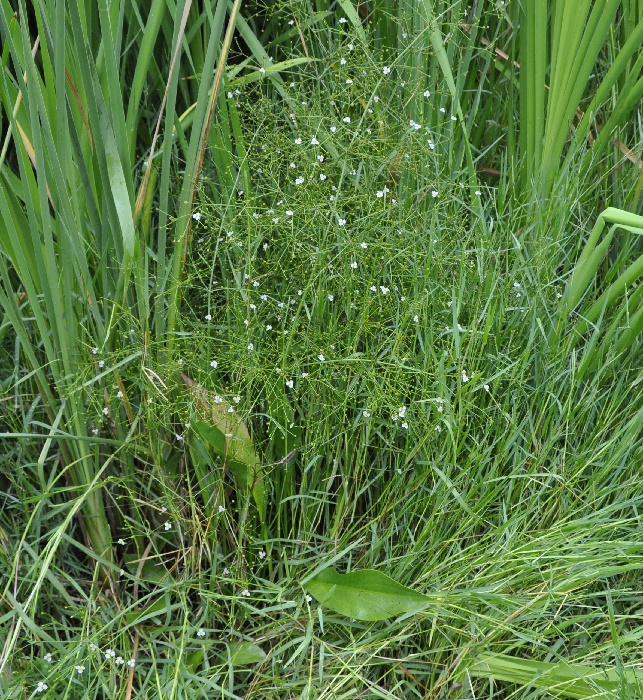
{"x":372,"y":277}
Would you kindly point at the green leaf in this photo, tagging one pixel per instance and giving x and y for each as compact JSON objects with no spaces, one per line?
{"x":227,"y":436}
{"x":566,"y":680}
{"x":364,"y":595}
{"x":246,"y":653}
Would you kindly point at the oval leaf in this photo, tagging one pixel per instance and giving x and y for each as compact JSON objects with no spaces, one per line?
{"x":364,"y":595}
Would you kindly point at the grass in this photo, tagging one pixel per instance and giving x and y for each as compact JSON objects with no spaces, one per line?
{"x":403,"y":356}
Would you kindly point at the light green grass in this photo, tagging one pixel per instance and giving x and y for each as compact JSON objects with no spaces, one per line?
{"x":432,"y":428}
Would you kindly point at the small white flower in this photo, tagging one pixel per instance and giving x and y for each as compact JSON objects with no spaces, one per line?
{"x":119,"y":661}
{"x":401,"y":411}
{"x":48,"y":658}
{"x":426,"y":93}
{"x":226,"y":571}
{"x":93,"y":647}
{"x":131,"y":663}
{"x":454,"y":118}
{"x":179,"y":437}
{"x":346,"y":120}
{"x":443,"y":110}
{"x":386,"y":70}
{"x":168,"y":525}
{"x":106,"y":411}
{"x":405,"y":425}
{"x":366,"y":414}
{"x":268,"y":327}
{"x":121,"y":541}
{"x":350,"y":47}
{"x":289,"y":212}
{"x":214,"y":364}
{"x":465,"y":379}
{"x":262,"y":554}
{"x":79,"y":669}
{"x":478,"y":193}
{"x":94,"y":431}
{"x":309,"y":598}
{"x":416,"y":318}
{"x":363,"y":245}
{"x":354,"y":265}
{"x":517,"y":285}
{"x":376,"y":99}
{"x":200,"y":632}
{"x":197,"y":216}
{"x":320,"y":357}
{"x":314,"y":141}
{"x":322,"y":176}
{"x":434,"y":194}
{"x":333,"y":129}
{"x":299,"y":180}
{"x":341,"y":222}
{"x":245,"y":592}
{"x":230,"y":96}
{"x":41,"y":687}
{"x":331,"y":297}
{"x":290,"y":383}
{"x":94,"y":351}
{"x":298,"y":140}
{"x":292,"y":165}
{"x":208,"y":317}
{"x":250,"y":347}
{"x":230,"y":410}
{"x":342,"y":61}
{"x":291,"y":22}
{"x":384,"y":290}
{"x":304,"y":375}
{"x":349,"y":81}
{"x":236,"y":399}
{"x":343,"y":20}
{"x":110,"y":654}
{"x":101,"y":363}
{"x":221,"y":509}
{"x":486,"y":387}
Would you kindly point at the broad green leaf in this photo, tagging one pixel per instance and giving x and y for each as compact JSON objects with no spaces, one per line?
{"x":246,"y":653}
{"x":566,"y":680}
{"x":226,"y":435}
{"x":364,"y":595}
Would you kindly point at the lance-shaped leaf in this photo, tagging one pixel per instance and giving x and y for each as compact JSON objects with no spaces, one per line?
{"x":226,"y":435}
{"x":364,"y":595}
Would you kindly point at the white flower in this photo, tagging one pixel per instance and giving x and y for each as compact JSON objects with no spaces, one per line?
{"x":299,"y":180}
{"x":214,"y":364}
{"x":322,"y":176}
{"x":121,"y":541}
{"x":309,"y":598}
{"x":486,"y":387}
{"x":366,"y":414}
{"x":168,"y":525}
{"x":131,"y":663}
{"x":230,"y":410}
{"x":349,"y":81}
{"x":401,"y":411}
{"x":416,"y":318}
{"x":250,"y":346}
{"x":217,"y":399}
{"x":101,"y":363}
{"x":226,"y":571}
{"x":48,"y":658}
{"x":245,"y":592}
{"x":200,"y":632}
{"x":178,"y":437}
{"x":79,"y":669}
{"x":431,"y":145}
{"x":110,"y":654}
{"x":119,"y":661}
{"x":478,"y":193}
{"x":343,"y":20}
{"x":268,"y":327}
{"x":289,"y":212}
{"x":119,"y":395}
{"x":442,"y":110}
{"x":333,"y":129}
{"x":291,"y":22}
{"x":454,"y":118}
{"x":292,"y":165}
{"x":384,"y":290}
{"x":346,"y":120}
{"x":376,"y":99}
{"x":386,"y":70}
{"x":350,"y":47}
{"x":405,"y":425}
{"x":290,"y":383}
{"x":106,"y":411}
{"x":320,"y":357}
{"x":221,"y":509}
{"x":320,"y":158}
{"x":262,"y":554}
{"x":426,"y":93}
{"x":208,"y":317}
{"x":354,"y":265}
{"x":236,"y":399}
{"x":197,"y":216}
{"x":465,"y":379}
{"x":363,"y":245}
{"x":331,"y":297}
{"x":434,"y":194}
{"x":262,"y":70}
{"x":298,"y":140}
{"x":93,"y":647}
{"x":341,"y":222}
{"x":41,"y":687}
{"x":342,"y":61}
{"x":314,"y":141}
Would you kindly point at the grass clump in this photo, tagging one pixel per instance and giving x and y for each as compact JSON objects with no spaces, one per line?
{"x":374,"y":318}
